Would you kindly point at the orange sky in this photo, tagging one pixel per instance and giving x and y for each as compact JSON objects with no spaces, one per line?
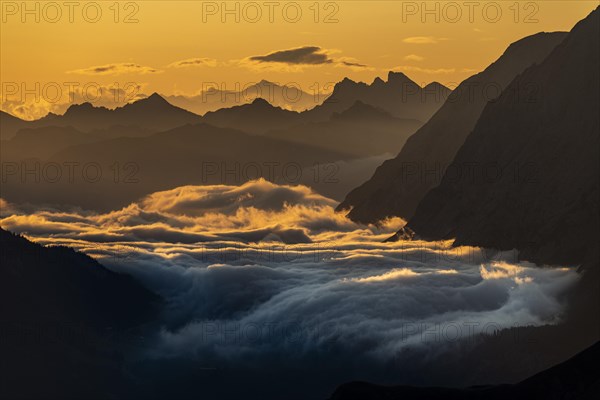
{"x":378,"y":35}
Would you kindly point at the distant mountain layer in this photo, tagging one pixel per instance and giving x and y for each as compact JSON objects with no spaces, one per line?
{"x":259,"y":108}
{"x":153,"y":113}
{"x":576,"y":378}
{"x":399,"y":184}
{"x":257,"y":117}
{"x":289,"y":96}
{"x":111,"y":173}
{"x":239,"y":143}
{"x":45,"y":141}
{"x":527,"y":176}
{"x":399,"y":96}
{"x":362,"y":130}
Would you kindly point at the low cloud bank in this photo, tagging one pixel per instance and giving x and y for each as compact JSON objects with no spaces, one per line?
{"x":260,"y":273}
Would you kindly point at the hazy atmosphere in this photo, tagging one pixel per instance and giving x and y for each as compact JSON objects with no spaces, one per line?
{"x":299,"y":200}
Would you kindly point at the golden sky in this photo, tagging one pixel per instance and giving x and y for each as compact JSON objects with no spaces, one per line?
{"x":108,"y":43}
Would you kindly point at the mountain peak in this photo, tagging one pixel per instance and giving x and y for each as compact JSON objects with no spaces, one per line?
{"x":398,"y":77}
{"x":377,"y":81}
{"x":264,"y":82}
{"x":361,"y":110}
{"x":436,"y":87}
{"x":434,"y":84}
{"x":347,"y":85}
{"x":155,"y":98}
{"x":151,"y":103}
{"x":80,"y":108}
{"x":260,"y":102}
{"x":346,"y":82}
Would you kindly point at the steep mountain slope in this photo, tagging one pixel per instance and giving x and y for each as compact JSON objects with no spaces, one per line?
{"x":66,"y":323}
{"x":9,"y":125}
{"x":60,"y":284}
{"x":399,"y":184}
{"x":533,"y":159}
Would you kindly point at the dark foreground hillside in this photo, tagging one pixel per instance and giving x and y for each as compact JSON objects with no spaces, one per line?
{"x":576,"y":378}
{"x":65,"y":323}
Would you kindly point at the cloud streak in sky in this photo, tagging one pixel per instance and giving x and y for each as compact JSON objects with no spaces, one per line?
{"x":307,"y":55}
{"x":413,"y":57}
{"x":194,"y":62}
{"x":423,"y":40}
{"x":116,"y":69}
{"x":294,"y":59}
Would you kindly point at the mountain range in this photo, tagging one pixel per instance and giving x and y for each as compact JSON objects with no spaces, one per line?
{"x":153,"y":113}
{"x":533,"y":182}
{"x":128,"y":168}
{"x":289,"y":96}
{"x":257,"y":117}
{"x":399,"y":96}
{"x":349,"y":141}
{"x":362,"y":130}
{"x":509,"y":160}
{"x":400,"y":183}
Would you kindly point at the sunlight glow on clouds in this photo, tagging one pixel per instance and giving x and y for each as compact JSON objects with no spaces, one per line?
{"x":256,"y":211}
{"x":270,"y":259}
{"x":194,"y":62}
{"x":413,"y":57}
{"x":423,"y":39}
{"x":116,"y":69}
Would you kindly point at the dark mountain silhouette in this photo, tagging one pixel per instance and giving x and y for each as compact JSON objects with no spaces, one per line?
{"x":9,"y":125}
{"x":362,"y":130}
{"x":576,"y":378}
{"x":399,"y":96}
{"x":534,"y":185}
{"x":399,"y":184}
{"x":153,"y":113}
{"x":66,"y":322}
{"x":287,"y":96}
{"x":198,"y":154}
{"x":360,"y":111}
{"x":257,"y":117}
{"x":62,"y":285}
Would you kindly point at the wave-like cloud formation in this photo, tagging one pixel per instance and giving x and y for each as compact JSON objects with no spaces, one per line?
{"x":257,"y":211}
{"x":262,"y":272}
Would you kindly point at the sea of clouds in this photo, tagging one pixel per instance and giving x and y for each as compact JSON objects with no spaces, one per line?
{"x":260,"y":273}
